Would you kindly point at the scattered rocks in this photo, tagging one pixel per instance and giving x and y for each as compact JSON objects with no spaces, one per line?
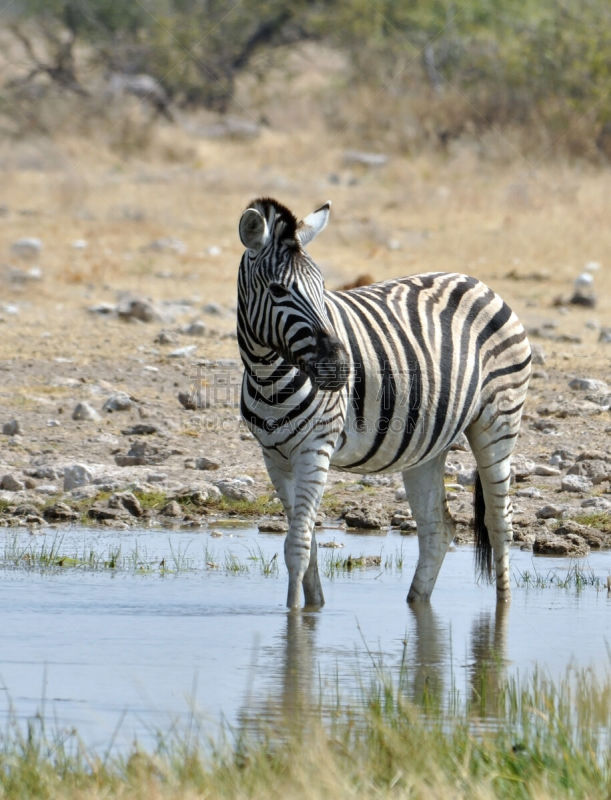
{"x":76,"y":475}
{"x":83,"y":411}
{"x":12,"y":428}
{"x":141,"y":454}
{"x":120,"y":401}
{"x":11,"y":484}
{"x":576,"y":483}
{"x":29,"y":247}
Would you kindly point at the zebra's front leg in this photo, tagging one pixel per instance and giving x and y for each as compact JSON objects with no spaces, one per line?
{"x":300,"y":543}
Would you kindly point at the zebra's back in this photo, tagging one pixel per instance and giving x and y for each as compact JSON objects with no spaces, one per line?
{"x":429,"y":352}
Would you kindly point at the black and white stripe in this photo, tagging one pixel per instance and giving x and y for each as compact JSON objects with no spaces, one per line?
{"x":382,"y":378}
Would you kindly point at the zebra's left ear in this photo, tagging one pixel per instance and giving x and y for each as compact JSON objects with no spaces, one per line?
{"x":313,"y":224}
{"x":253,"y":228}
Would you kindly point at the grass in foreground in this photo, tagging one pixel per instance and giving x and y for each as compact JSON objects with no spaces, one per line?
{"x":547,"y":741}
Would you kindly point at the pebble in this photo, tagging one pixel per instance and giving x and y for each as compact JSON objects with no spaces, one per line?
{"x":141,"y":429}
{"x":28,"y":247}
{"x":546,"y":470}
{"x":576,"y":483}
{"x":400,"y":494}
{"x":366,"y":518}
{"x":76,"y":475}
{"x":529,"y":491}
{"x":59,"y":512}
{"x":168,"y":244}
{"x":142,"y":454}
{"x":550,"y":512}
{"x":538,"y":354}
{"x":273,"y":526}
{"x":183,"y":352}
{"x":12,"y":428}
{"x":213,"y":309}
{"x":569,"y":544}
{"x":522,"y":467}
{"x":139,"y":308}
{"x":11,"y":484}
{"x":206,"y":463}
{"x":83,"y":411}
{"x":235,"y":490}
{"x":171,"y":509}
{"x":588,"y":385}
{"x":128,"y":501}
{"x":195,"y":328}
{"x":605,"y":335}
{"x":120,"y":401}
{"x":409,"y":526}
{"x":104,"y":309}
{"x":365,"y":159}
{"x":597,"y":503}
{"x":165,"y":337}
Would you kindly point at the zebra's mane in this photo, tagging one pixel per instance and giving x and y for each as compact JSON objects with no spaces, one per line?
{"x":276,"y":215}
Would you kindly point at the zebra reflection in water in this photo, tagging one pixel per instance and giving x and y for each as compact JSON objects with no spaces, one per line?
{"x":376,"y":379}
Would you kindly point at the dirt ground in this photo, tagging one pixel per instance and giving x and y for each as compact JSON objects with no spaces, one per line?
{"x":527,"y":229}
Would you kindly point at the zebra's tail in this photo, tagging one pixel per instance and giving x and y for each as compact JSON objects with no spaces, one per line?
{"x":483,"y":549}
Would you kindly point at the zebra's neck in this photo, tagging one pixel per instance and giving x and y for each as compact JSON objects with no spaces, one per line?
{"x":263,"y":365}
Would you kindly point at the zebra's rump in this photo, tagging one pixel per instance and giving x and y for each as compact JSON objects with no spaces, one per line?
{"x":429,"y":352}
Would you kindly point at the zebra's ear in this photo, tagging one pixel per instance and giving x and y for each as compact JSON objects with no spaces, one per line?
{"x":253,"y":228}
{"x":313,"y":224}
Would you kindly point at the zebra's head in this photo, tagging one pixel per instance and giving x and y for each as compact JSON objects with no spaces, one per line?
{"x":282,"y":290}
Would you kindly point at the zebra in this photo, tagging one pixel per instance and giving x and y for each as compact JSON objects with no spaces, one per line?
{"x":376,"y":379}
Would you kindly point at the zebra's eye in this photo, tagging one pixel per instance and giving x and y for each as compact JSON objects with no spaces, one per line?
{"x":278,"y":291}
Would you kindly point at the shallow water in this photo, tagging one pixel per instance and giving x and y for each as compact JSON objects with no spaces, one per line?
{"x":121,"y":654}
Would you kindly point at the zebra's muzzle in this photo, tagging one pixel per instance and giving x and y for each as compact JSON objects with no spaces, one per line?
{"x":329,"y":367}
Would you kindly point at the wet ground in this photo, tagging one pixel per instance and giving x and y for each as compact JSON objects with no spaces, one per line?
{"x":124,"y":634}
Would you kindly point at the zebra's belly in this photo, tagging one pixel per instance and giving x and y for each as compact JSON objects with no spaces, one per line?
{"x":388,"y":445}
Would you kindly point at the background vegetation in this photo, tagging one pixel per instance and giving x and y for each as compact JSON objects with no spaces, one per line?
{"x":419,"y":72}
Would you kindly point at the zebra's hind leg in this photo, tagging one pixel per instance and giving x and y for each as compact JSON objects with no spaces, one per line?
{"x":425,"y":491}
{"x":492,"y":438}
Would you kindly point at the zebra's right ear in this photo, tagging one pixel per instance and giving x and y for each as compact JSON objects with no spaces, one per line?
{"x":253,"y":229}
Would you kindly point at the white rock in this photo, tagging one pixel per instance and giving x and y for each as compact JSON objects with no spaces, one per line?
{"x":545,"y":469}
{"x":576,"y":483}
{"x":183,"y":352}
{"x":120,"y":401}
{"x":584,"y":281}
{"x":400,"y":494}
{"x":83,"y":411}
{"x":80,"y":244}
{"x":588,"y":385}
{"x":27,"y":247}
{"x":76,"y":475}
{"x":592,"y":266}
{"x":168,"y":244}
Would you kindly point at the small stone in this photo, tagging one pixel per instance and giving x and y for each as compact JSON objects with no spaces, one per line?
{"x":366,"y":518}
{"x":168,"y":244}
{"x":105,"y":309}
{"x":235,"y":491}
{"x":530,"y":491}
{"x":365,"y":159}
{"x":11,"y":484}
{"x":183,"y":352}
{"x":171,"y":509}
{"x":538,"y":354}
{"x":597,"y":503}
{"x":570,"y":544}
{"x":605,"y":335}
{"x":206,"y":463}
{"x":576,"y":483}
{"x":59,"y":512}
{"x":83,"y":411}
{"x":165,"y":337}
{"x":196,"y":328}
{"x":273,"y":526}
{"x":141,"y":429}
{"x":546,"y":470}
{"x":595,"y":470}
{"x":400,"y":494}
{"x":213,"y":308}
{"x":409,"y":527}
{"x":28,"y":247}
{"x":551,"y":512}
{"x":522,"y":467}
{"x":105,"y":513}
{"x":588,"y":385}
{"x":139,"y":309}
{"x":120,"y":401}
{"x":129,"y":502}
{"x":76,"y":475}
{"x":12,"y":428}
{"x":141,"y":453}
